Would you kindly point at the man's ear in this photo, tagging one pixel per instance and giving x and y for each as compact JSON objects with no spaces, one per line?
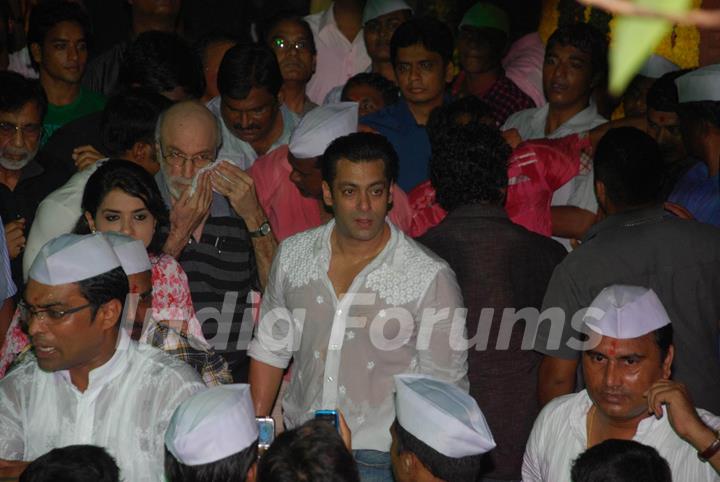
{"x":252,"y":473}
{"x":36,"y":52}
{"x":601,"y":195}
{"x":327,"y":194}
{"x":108,"y":314}
{"x":667,"y":363}
{"x":449,"y":72}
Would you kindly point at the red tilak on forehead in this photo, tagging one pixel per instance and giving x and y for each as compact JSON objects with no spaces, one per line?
{"x":133,"y":288}
{"x":613,"y":348}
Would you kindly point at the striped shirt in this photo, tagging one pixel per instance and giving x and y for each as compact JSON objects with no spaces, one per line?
{"x":7,"y":287}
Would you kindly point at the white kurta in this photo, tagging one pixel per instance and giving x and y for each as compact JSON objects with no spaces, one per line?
{"x":346,"y":351}
{"x":125,"y":409}
{"x":559,"y":436}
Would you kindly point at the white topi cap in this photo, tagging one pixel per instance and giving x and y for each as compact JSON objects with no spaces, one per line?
{"x":212,"y":424}
{"x":73,"y":257}
{"x":657,"y":66}
{"x":442,"y":416}
{"x":376,"y":8}
{"x":322,"y":125}
{"x":131,"y":253}
{"x":625,"y":312}
{"x":701,"y":84}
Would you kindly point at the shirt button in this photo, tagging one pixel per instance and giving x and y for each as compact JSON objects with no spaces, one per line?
{"x":330,"y":379}
{"x":339,"y":312}
{"x":333,"y":347}
{"x":319,"y":299}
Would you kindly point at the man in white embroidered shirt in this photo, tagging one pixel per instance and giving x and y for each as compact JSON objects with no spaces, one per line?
{"x":353,"y":303}
{"x":629,"y":396}
{"x":87,"y":382}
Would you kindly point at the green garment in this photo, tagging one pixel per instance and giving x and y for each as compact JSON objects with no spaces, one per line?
{"x":57,"y":116}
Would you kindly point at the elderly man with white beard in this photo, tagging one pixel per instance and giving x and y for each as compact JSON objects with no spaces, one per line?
{"x":23,"y":182}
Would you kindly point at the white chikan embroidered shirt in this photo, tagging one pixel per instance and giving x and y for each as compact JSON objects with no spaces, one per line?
{"x":346,"y":351}
{"x":559,"y":436}
{"x":125,"y":409}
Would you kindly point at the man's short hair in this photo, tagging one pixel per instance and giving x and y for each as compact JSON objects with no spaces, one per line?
{"x":628,"y":162}
{"x":160,"y":62}
{"x":429,"y":32}
{"x":130,"y":117}
{"x":16,"y":91}
{"x":664,"y":339}
{"x":50,"y":13}
{"x":248,"y":66}
{"x":105,"y":287}
{"x":201,"y":45}
{"x":469,"y":159}
{"x":390,"y":92}
{"x":313,"y":452}
{"x":585,"y":38}
{"x":75,"y":463}
{"x":441,"y":466}
{"x":620,"y":461}
{"x":699,"y":114}
{"x":293,"y":17}
{"x":359,"y":147}
{"x":232,"y":468}
{"x":663,"y":94}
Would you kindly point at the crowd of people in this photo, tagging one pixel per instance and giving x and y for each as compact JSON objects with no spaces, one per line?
{"x":356,"y":245}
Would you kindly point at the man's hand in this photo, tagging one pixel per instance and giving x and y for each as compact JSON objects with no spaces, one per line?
{"x":680,"y":409}
{"x":11,"y":469}
{"x":556,"y":377}
{"x":233,"y":183}
{"x":345,"y":432}
{"x":15,"y":237}
{"x":85,"y":156}
{"x":512,"y":137}
{"x":187,"y":213}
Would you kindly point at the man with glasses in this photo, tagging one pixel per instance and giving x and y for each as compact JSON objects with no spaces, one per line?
{"x":87,"y":382}
{"x":218,"y":231}
{"x":252,"y":118}
{"x":23,"y":182}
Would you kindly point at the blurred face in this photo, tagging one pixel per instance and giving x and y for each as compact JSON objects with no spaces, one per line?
{"x":68,"y":342}
{"x":567,"y":76}
{"x":291,"y":44}
{"x":63,"y":54}
{"x":618,"y":373}
{"x":162,"y":8}
{"x":140,"y":299}
{"x":306,"y":176}
{"x":480,"y":49}
{"x":379,"y":31}
{"x":369,"y":99}
{"x":126,"y":214}
{"x":19,"y":136}
{"x":421,"y":75}
{"x":251,"y":119}
{"x":634,"y":99}
{"x":359,"y":197}
{"x":213,"y":56}
{"x":664,"y":127}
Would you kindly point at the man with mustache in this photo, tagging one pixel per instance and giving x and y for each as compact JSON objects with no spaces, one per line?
{"x":23,"y":182}
{"x":630,"y":395}
{"x":253,"y":120}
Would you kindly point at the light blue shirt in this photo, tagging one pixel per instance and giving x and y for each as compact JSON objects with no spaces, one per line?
{"x":7,"y":287}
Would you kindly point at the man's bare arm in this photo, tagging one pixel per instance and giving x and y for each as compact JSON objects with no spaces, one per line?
{"x":571,"y":221}
{"x":264,"y":385}
{"x":556,"y":377}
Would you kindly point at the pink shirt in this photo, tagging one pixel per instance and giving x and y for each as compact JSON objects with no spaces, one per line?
{"x":523,"y":65}
{"x":338,"y":59}
{"x":288,"y":211}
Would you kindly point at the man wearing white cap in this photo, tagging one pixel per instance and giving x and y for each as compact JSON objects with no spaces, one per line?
{"x":634,"y":98}
{"x":351,"y":304}
{"x":87,"y":382}
{"x":440,"y":433}
{"x":699,"y":189}
{"x":627,"y":367}
{"x":288,"y":180}
{"x":213,"y":436}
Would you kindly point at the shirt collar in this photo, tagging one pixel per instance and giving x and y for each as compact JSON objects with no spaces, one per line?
{"x":322,"y":249}
{"x":327,"y":18}
{"x":627,"y":219}
{"x":30,"y":170}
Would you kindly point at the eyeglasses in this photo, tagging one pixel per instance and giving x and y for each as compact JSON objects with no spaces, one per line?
{"x":50,"y":315}
{"x":176,"y":158}
{"x":280,"y":43}
{"x":30,"y":130}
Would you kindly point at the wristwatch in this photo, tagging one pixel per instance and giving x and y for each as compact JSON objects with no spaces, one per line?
{"x":263,"y":230}
{"x":710,"y":452}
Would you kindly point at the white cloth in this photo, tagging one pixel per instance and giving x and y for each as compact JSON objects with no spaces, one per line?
{"x":131,"y":252}
{"x":336,"y":365}
{"x":57,"y":214}
{"x":321,"y":126}
{"x":125,"y":408}
{"x":580,"y":190}
{"x":377,"y":8}
{"x":700,"y":85}
{"x":338,"y":59}
{"x":240,"y":152}
{"x":657,"y":66}
{"x":559,"y":436}
{"x":523,"y":65}
{"x":20,"y":62}
{"x":625,"y":312}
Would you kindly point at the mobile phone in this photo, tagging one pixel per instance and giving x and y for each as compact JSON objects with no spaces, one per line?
{"x":266,"y":432}
{"x":330,"y":416}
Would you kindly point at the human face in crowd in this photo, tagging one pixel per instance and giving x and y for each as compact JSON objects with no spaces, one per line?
{"x":359,"y":197}
{"x":67,"y":342}
{"x":567,"y":77}
{"x":369,"y":99}
{"x":251,"y":119}
{"x":140,"y":299}
{"x":619,"y":372}
{"x":634,"y":99}
{"x":290,"y":42}
{"x":378,"y":32}
{"x":160,"y":8}
{"x":19,"y":136}
{"x":63,"y":54}
{"x":421,"y":74}
{"x":306,"y":176}
{"x":213,"y":56}
{"x":664,"y":127}
{"x":480,"y":49}
{"x":123,"y":213}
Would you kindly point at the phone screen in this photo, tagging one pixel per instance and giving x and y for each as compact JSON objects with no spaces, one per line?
{"x":330,"y":416}
{"x":266,"y":432}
